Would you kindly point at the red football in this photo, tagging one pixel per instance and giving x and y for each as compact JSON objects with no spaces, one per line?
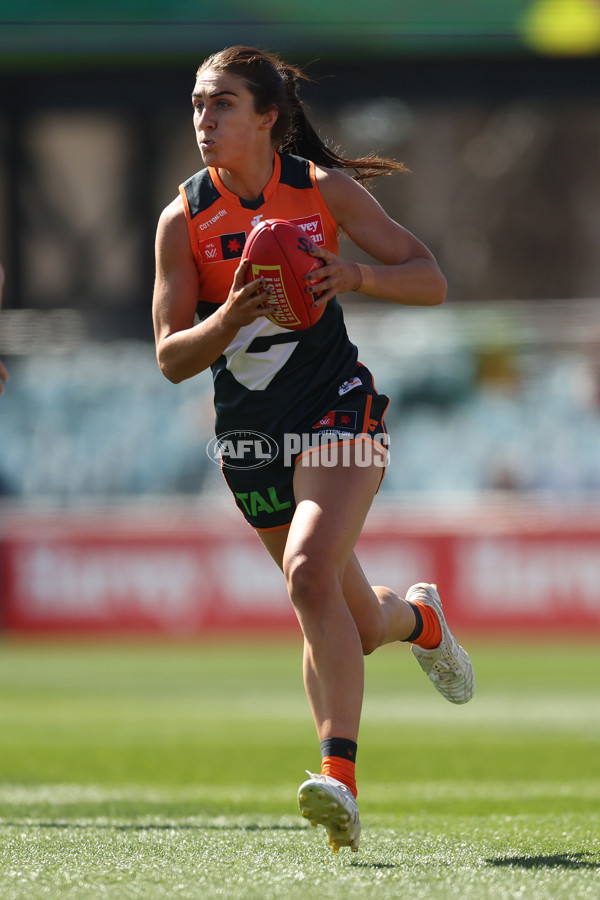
{"x":278,"y":253}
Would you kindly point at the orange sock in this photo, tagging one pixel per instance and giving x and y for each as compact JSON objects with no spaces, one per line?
{"x":342,"y":769}
{"x":431,"y":635}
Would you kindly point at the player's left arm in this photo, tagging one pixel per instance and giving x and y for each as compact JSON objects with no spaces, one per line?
{"x":407,"y":272}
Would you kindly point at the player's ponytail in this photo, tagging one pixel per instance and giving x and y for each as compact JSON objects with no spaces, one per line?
{"x":275,"y":83}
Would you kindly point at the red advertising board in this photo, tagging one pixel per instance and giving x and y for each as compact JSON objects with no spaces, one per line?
{"x":107,"y":574}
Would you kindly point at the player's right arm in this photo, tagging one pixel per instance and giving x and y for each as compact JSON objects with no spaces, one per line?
{"x":183,"y":349}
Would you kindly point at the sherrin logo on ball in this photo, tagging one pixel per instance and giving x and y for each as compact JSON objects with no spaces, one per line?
{"x":279,"y":253}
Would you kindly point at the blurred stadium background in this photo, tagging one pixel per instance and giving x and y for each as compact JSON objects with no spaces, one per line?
{"x":112,"y":515}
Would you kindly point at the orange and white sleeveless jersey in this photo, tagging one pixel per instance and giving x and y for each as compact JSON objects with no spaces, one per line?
{"x":268,"y":376}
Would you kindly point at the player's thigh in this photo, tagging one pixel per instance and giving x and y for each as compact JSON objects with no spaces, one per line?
{"x":275,"y":542}
{"x":331,"y":506}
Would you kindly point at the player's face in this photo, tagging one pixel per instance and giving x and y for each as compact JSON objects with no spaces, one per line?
{"x":226,"y":122}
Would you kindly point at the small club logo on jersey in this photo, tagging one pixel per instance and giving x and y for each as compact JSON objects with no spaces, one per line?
{"x":348,"y":386}
{"x":222,"y":247}
{"x":242,"y":449}
{"x":256,"y":220}
{"x":338,"y":418}
{"x":210,"y":251}
{"x":312,"y":226}
{"x":233,"y":244}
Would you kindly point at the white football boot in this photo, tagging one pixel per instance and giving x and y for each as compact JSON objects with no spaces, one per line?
{"x":324,"y":800}
{"x":448,"y":666}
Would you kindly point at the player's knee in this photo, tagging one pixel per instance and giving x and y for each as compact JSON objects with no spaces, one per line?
{"x":309,"y":581}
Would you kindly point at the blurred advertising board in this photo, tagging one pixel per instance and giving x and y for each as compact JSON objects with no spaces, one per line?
{"x":188,"y":578}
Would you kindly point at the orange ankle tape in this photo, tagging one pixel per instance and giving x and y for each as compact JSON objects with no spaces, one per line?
{"x":342,"y":769}
{"x":431,"y":635}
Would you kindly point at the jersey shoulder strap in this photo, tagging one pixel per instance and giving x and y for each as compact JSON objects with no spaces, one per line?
{"x":199,"y":193}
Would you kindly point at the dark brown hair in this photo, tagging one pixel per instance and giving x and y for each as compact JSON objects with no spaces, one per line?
{"x":275,"y":83}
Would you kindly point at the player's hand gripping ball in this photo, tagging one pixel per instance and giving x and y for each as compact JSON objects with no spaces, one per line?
{"x":279,"y":254}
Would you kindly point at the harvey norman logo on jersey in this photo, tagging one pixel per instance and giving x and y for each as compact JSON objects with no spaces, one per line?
{"x":312,"y":227}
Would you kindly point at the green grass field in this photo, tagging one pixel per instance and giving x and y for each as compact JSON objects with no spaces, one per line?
{"x":171,"y":771}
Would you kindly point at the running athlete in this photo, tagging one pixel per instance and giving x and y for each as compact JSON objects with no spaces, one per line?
{"x":264,"y":160}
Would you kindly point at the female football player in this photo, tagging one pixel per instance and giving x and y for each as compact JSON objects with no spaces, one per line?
{"x":264,"y":160}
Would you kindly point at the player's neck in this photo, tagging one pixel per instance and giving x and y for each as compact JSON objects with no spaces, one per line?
{"x":251,"y":182}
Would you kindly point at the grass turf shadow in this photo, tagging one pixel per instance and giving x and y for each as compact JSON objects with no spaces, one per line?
{"x":374,"y":865}
{"x":114,"y":826}
{"x":554,"y":861}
